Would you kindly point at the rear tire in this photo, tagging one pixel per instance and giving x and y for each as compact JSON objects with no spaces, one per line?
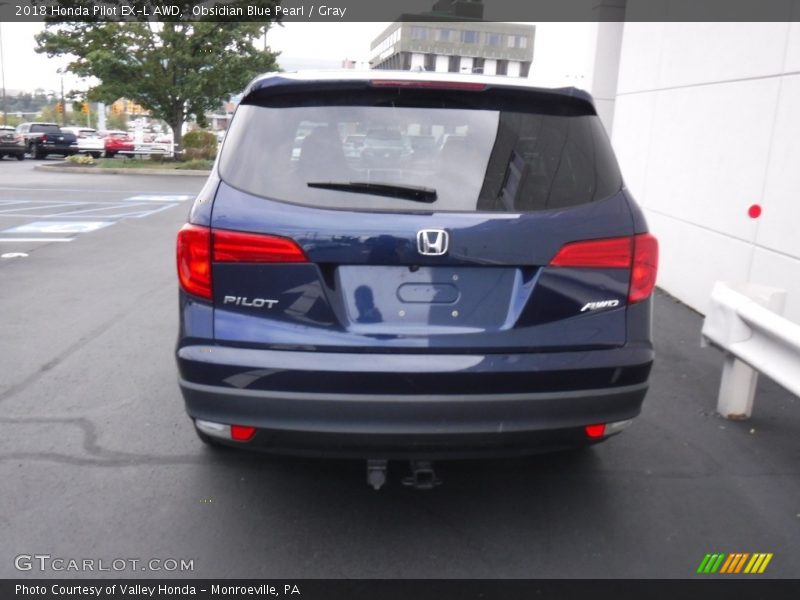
{"x":21,"y":156}
{"x":96,"y":154}
{"x":110,"y":154}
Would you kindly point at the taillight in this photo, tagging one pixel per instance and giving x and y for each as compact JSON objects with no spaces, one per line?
{"x":194,"y":260}
{"x":611,"y":253}
{"x":235,"y":246}
{"x":199,"y":246}
{"x":645,"y":267}
{"x":638,"y":253}
{"x":44,"y":137}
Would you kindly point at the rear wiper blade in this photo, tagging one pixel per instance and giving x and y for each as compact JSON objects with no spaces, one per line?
{"x":406,"y":192}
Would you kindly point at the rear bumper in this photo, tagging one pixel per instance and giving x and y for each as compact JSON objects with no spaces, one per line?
{"x":383,"y":423}
{"x":64,"y":150}
{"x":417,"y":426}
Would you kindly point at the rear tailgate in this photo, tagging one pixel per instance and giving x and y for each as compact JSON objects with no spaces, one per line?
{"x":365,"y":284}
{"x":516,"y":177}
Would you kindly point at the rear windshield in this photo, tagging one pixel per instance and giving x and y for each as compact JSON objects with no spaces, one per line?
{"x":496,"y":156}
{"x":36,"y":128}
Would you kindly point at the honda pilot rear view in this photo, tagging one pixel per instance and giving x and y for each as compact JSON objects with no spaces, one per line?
{"x":414,"y":265}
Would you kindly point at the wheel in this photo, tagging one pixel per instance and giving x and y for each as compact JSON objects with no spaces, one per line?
{"x":21,"y":156}
{"x":39,"y":155}
{"x":95,"y":154}
{"x":110,"y":154}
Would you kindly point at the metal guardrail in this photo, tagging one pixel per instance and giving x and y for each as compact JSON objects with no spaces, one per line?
{"x":150,"y":148}
{"x":744,"y":321}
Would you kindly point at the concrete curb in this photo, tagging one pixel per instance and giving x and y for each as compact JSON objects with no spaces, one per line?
{"x":100,"y":171}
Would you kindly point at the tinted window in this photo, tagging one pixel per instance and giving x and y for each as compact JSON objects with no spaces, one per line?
{"x":476,"y":159}
{"x":39,"y":128}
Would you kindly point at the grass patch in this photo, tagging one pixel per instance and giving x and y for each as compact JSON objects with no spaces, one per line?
{"x":137,"y":163}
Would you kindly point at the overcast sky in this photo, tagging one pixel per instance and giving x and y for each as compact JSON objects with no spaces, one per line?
{"x":562,"y":52}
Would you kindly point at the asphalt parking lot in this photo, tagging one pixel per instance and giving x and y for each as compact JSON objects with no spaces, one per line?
{"x":98,"y":460}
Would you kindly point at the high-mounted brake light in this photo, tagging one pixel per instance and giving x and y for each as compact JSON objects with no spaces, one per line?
{"x":436,"y":85}
{"x":235,"y":246}
{"x":638,"y":253}
{"x":194,"y":260}
{"x":199,"y":246}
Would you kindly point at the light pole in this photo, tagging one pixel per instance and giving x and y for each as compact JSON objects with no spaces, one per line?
{"x":3,"y":75}
{"x":63,"y":106}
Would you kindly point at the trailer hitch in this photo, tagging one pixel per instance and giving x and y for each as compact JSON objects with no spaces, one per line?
{"x":423,"y":477}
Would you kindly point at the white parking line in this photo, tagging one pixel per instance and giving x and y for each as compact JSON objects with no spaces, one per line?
{"x":49,"y":205}
{"x":161,"y":197}
{"x":48,"y":209}
{"x":94,"y":209}
{"x":36,"y":239}
{"x":60,"y":227}
{"x":152,"y":212}
{"x":60,"y":189}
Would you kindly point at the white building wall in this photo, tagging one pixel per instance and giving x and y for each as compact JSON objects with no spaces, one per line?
{"x":465,"y":65}
{"x":489,"y":66}
{"x":417,"y":60}
{"x":606,"y":69}
{"x":442,"y":63}
{"x":513,"y":68}
{"x":706,"y":124}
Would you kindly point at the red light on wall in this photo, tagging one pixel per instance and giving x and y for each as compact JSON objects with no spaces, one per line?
{"x":754,"y":211}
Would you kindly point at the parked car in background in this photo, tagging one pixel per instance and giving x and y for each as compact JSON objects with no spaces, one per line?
{"x":494,"y":300}
{"x":117,"y":141}
{"x":11,"y":143}
{"x":353,"y":144}
{"x":385,"y":147}
{"x":41,"y":139}
{"x":89,"y":141}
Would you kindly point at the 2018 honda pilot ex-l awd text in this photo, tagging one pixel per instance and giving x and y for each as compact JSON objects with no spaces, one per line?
{"x":491,"y":296}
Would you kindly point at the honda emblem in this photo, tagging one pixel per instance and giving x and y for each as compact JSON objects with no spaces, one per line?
{"x":432,"y":242}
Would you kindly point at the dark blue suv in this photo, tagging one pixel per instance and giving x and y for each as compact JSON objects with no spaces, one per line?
{"x":490,"y":294}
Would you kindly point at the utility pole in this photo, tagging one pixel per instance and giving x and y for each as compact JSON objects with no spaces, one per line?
{"x":63,"y":105}
{"x":3,"y":74}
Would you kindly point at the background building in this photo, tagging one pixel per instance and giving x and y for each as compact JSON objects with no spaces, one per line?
{"x":453,"y":38}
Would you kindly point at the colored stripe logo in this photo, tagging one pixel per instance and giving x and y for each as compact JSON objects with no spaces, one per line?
{"x":735,"y":563}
